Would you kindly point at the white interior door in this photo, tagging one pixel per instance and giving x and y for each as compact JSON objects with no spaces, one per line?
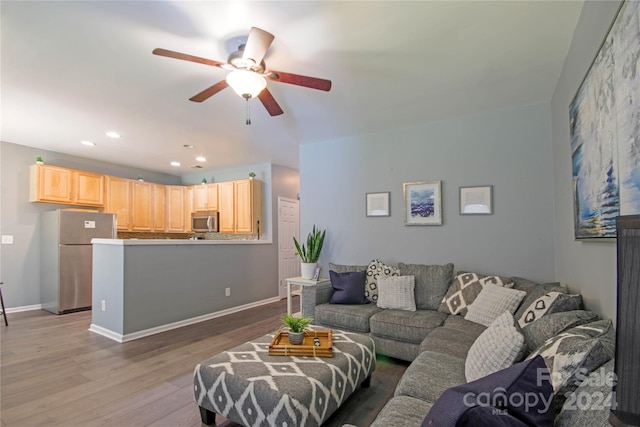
{"x":288,"y":228}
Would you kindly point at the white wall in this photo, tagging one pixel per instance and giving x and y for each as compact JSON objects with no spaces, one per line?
{"x":586,"y":266}
{"x":509,"y":149}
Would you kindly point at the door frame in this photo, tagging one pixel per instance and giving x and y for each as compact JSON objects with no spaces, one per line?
{"x":282,"y":286}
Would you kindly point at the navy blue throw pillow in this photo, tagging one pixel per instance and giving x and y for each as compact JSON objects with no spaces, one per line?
{"x":520,"y":395}
{"x":348,"y":288}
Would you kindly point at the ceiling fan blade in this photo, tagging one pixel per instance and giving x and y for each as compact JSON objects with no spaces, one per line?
{"x":295,"y":79}
{"x":210,"y":91}
{"x":185,"y":57}
{"x":257,"y":44}
{"x":270,"y":102}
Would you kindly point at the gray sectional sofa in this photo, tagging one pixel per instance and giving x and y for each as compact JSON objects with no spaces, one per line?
{"x":437,"y":343}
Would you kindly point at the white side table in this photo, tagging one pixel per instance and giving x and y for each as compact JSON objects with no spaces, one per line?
{"x":299,"y":281}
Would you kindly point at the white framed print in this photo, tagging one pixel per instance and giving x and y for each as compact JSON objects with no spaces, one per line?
{"x":476,"y":200}
{"x":378,"y":204}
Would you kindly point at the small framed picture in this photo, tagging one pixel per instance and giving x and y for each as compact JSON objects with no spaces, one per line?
{"x":423,"y":203}
{"x":476,"y":200}
{"x":316,"y":274}
{"x":378,"y":204}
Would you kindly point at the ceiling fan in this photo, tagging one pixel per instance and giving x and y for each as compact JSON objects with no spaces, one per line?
{"x":249,"y":73}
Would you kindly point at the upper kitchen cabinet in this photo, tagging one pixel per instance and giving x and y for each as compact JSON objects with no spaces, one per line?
{"x":141,"y":206}
{"x":176,"y":211}
{"x":119,"y":200}
{"x":53,"y":184}
{"x":159,"y":209}
{"x":206,"y":197}
{"x":240,"y":206}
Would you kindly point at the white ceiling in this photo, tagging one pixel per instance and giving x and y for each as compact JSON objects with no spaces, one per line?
{"x":73,"y":70}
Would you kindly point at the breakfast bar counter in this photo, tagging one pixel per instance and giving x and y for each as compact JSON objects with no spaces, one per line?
{"x":142,"y":287}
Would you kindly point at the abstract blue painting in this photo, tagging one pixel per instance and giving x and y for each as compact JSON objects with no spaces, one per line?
{"x":605,"y":132}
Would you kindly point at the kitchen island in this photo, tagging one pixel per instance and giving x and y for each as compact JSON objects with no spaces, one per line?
{"x":143,"y":287}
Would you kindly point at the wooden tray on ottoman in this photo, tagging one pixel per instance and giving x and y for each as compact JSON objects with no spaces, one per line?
{"x":280,"y":345}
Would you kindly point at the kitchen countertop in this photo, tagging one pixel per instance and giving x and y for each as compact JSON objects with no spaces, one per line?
{"x":159,"y":242}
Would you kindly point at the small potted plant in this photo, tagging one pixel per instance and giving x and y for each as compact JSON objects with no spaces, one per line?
{"x":204,"y":181}
{"x":39,"y":160}
{"x":310,"y":253}
{"x":297,"y":326}
{"x":140,"y":178}
{"x":252,"y":175}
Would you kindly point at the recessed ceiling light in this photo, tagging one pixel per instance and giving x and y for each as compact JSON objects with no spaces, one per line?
{"x":175,"y":163}
{"x":112,"y":134}
{"x":87,"y":143}
{"x":189,"y":146}
{"x":201,"y":159}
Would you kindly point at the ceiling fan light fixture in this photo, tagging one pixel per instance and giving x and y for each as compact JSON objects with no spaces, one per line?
{"x":246,"y":84}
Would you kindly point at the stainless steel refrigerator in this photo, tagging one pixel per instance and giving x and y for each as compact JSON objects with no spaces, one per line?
{"x":66,"y":257}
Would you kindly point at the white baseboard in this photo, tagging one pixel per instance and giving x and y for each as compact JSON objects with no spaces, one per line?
{"x":24,"y":308}
{"x":163,"y":328}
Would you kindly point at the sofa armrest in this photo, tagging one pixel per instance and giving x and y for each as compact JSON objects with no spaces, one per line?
{"x":314,"y":295}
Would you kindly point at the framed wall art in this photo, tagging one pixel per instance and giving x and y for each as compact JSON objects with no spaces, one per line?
{"x":378,"y":204}
{"x":476,"y":200}
{"x":423,"y":203}
{"x":603,"y":124}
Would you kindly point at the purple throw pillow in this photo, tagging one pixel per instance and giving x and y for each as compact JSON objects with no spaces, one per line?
{"x":348,"y":288}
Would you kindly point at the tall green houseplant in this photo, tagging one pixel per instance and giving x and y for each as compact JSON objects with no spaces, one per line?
{"x":311,"y":252}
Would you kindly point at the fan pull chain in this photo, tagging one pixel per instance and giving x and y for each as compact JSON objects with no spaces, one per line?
{"x":248,"y":122}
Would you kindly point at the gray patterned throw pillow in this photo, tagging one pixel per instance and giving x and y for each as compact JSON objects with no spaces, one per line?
{"x":464,"y":290}
{"x":552,"y":302}
{"x":376,"y":270}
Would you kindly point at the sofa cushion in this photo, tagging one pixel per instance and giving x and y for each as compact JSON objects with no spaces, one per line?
{"x":346,"y":316}
{"x":552,"y":302}
{"x":402,"y":411}
{"x":534,"y":291}
{"x":348,"y":288}
{"x":496,"y":391}
{"x":449,"y":341}
{"x":497,"y":348}
{"x":375,"y":270}
{"x":343,"y":268}
{"x":572,"y":354}
{"x":397,"y":292}
{"x":429,"y":375}
{"x":432,"y":283}
{"x":536,"y":333}
{"x":410,"y":326}
{"x":464,"y":290}
{"x":589,"y":404}
{"x":491,"y":302}
{"x":464,"y":326}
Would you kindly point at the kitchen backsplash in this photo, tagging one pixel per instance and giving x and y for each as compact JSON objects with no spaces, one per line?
{"x":184,"y":236}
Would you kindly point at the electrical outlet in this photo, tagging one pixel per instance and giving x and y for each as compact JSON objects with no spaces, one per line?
{"x":104,"y":305}
{"x":227,"y":292}
{"x":7,"y":239}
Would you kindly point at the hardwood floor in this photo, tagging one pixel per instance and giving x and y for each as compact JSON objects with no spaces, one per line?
{"x":54,"y":372}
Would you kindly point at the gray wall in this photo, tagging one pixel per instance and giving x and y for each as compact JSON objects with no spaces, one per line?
{"x":509,"y":149}
{"x":587,"y":266}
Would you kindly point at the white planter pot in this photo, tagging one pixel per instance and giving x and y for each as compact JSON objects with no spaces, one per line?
{"x":307,"y":269}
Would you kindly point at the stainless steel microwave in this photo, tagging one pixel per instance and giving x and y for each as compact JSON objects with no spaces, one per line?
{"x":204,"y":222}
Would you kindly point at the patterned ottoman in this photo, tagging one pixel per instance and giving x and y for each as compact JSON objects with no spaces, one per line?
{"x":248,"y":386}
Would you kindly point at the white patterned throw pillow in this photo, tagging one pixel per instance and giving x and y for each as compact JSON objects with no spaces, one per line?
{"x":376,"y":270}
{"x":552,"y":302}
{"x":397,"y":292}
{"x":491,"y":302}
{"x":464,"y":290}
{"x":497,"y":348}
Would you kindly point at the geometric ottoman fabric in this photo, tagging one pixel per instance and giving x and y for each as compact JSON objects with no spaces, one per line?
{"x":247,"y":386}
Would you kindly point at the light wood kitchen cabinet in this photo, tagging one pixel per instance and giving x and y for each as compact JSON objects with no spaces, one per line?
{"x":119,"y":200}
{"x":175,"y":203}
{"x":240,"y":206}
{"x":189,"y":206}
{"x":141,"y":206}
{"x":53,"y":184}
{"x":206,"y":197}
{"x":159,"y":208}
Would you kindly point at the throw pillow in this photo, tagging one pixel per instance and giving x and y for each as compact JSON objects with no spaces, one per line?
{"x":464,"y":290}
{"x":573,"y":354}
{"x":534,"y":291}
{"x":432,"y":283}
{"x":551,"y":302}
{"x":348,"y":288}
{"x":491,"y":302}
{"x":397,"y":293}
{"x":502,"y":391}
{"x":536,"y":333}
{"x":376,"y":270}
{"x":498,"y":347}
